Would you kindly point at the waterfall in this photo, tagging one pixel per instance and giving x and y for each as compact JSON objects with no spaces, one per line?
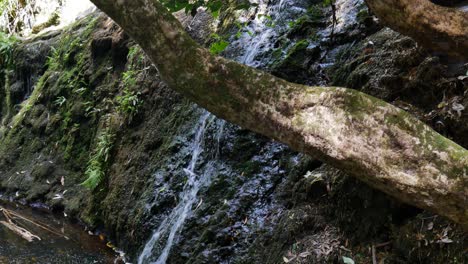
{"x":37,"y":12}
{"x":250,"y":46}
{"x":167,"y":232}
{"x":271,"y":20}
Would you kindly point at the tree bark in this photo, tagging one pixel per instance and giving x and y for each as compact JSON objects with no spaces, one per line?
{"x":376,"y":142}
{"x":438,"y":28}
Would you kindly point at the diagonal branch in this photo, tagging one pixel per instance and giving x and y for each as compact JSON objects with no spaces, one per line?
{"x":372,"y":140}
{"x":438,"y":28}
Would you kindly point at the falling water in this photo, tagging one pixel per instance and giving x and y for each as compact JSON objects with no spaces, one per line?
{"x":37,"y":12}
{"x":259,"y":37}
{"x":250,"y":45}
{"x":168,"y":230}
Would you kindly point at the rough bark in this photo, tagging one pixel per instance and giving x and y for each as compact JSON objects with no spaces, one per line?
{"x":372,"y":140}
{"x":438,"y":28}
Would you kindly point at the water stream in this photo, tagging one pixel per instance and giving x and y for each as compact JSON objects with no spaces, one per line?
{"x":80,"y":247}
{"x":165,"y":235}
{"x":270,"y":20}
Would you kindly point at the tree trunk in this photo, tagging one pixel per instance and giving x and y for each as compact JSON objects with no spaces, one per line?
{"x":437,"y":28}
{"x":364,"y":136}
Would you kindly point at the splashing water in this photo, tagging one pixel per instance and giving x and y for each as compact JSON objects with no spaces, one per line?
{"x":169,"y":229}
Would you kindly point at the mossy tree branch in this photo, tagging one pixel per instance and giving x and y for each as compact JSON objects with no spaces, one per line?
{"x":372,"y":140}
{"x":438,"y":28}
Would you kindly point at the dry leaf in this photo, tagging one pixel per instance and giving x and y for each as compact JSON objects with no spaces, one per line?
{"x":430,"y":226}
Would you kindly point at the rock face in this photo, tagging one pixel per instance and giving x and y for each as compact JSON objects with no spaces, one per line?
{"x":88,"y":90}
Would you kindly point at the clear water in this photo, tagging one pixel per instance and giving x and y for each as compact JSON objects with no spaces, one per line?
{"x":80,"y":248}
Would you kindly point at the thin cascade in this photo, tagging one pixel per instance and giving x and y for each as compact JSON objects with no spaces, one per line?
{"x":167,"y":232}
{"x":158,"y":248}
{"x":269,"y":22}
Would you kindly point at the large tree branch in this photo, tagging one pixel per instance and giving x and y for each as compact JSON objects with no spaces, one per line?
{"x":372,"y":140}
{"x":438,"y":28}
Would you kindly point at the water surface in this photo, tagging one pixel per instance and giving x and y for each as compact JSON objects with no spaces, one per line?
{"x":79,"y":248}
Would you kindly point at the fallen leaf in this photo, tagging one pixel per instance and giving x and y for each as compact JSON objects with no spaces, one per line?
{"x":458,"y":108}
{"x":58,"y":196}
{"x":347,"y":260}
{"x":445,"y":240}
{"x":430,"y":226}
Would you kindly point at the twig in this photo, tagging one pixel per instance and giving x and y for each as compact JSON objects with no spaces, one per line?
{"x":20,"y":231}
{"x":374,"y":257}
{"x":36,"y":224}
{"x":383,"y":244}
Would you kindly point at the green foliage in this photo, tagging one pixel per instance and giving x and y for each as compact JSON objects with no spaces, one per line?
{"x":219,"y":45}
{"x":191,"y":6}
{"x":129,"y":102}
{"x":135,"y":55}
{"x":53,"y":20}
{"x":270,"y":22}
{"x":129,"y":78}
{"x":60,"y":101}
{"x":95,"y":170}
{"x":314,"y":14}
{"x":7,"y":44}
{"x":53,"y":61}
{"x":63,"y":55}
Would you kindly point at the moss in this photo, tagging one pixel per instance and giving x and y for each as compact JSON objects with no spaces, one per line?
{"x":294,"y":65}
{"x":307,"y":24}
{"x":53,"y":20}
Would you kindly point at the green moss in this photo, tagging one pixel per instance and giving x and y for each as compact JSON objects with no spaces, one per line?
{"x":53,"y":20}
{"x":307,"y":24}
{"x":299,"y":46}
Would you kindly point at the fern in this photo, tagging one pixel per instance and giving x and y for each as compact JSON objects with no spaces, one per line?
{"x":7,"y":44}
{"x":95,"y":171}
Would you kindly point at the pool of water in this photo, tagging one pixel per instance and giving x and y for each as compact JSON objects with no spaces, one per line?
{"x":80,"y":247}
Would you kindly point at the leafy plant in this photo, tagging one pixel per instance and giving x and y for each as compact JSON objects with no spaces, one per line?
{"x":80,"y":91}
{"x":60,"y":101}
{"x":270,"y":22}
{"x":95,"y":170}
{"x":191,"y":6}
{"x":129,"y":102}
{"x":7,"y":44}
{"x":53,"y":61}
{"x":219,"y":45}
{"x":135,"y":55}
{"x":129,"y":78}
